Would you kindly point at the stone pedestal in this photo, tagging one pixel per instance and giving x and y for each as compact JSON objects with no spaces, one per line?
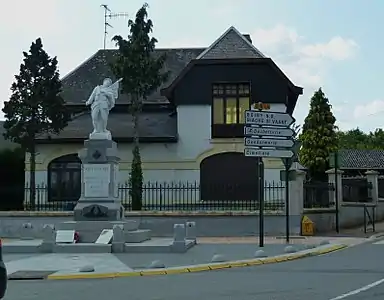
{"x":99,"y":199}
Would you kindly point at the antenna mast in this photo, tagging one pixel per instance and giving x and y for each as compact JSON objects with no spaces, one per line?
{"x":109,"y":14}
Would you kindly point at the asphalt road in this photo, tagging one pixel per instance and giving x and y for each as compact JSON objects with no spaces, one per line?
{"x":350,"y":274}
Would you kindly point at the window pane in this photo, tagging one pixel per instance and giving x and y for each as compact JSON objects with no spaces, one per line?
{"x":243,"y":106}
{"x":244,"y":89}
{"x":231,"y":89}
{"x":231,"y":111}
{"x":218,"y":111}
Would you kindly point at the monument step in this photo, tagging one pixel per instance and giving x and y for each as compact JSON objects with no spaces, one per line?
{"x":158,"y":245}
{"x":82,"y":248}
{"x":129,"y":225}
{"x":137,"y":236}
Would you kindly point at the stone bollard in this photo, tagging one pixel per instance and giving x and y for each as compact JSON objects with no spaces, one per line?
{"x":179,"y":242}
{"x":118,"y":239}
{"x":26,"y":231}
{"x":49,"y":238}
{"x":191,"y":231}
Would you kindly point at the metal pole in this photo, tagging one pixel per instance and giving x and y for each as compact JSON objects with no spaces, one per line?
{"x":261,"y":202}
{"x":337,"y":193}
{"x":287,"y":201}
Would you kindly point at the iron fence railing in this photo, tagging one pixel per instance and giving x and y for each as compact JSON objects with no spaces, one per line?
{"x":175,"y":196}
{"x":318,"y":194}
{"x":356,"y":189}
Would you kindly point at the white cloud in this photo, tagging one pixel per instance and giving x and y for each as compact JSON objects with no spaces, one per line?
{"x":369,"y":109}
{"x":305,"y":63}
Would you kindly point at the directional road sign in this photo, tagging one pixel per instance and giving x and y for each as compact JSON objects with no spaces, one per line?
{"x":268,"y":153}
{"x":264,"y":131}
{"x":264,"y":118}
{"x":256,"y":142}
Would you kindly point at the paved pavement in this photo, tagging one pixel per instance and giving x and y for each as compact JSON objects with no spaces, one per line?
{"x":352,"y":274}
{"x":19,"y":265}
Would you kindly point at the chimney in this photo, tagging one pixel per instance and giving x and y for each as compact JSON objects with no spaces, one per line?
{"x":248,"y":37}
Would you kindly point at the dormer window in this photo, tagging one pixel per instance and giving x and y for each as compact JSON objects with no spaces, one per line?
{"x":230,"y":101}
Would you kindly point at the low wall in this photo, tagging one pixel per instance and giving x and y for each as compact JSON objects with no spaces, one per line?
{"x":350,"y":215}
{"x":213,"y":224}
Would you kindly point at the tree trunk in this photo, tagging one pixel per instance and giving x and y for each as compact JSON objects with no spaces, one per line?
{"x":32,"y":176}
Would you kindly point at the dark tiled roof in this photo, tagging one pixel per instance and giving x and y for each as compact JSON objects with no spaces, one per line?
{"x":78,"y":85}
{"x":152,"y":125}
{"x":361,"y":159}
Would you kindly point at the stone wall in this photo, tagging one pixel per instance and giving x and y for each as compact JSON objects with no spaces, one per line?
{"x":161,"y":223}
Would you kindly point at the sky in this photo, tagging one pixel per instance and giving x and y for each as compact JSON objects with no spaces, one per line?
{"x":330,"y":44}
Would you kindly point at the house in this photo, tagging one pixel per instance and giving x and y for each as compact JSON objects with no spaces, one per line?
{"x":191,"y":129}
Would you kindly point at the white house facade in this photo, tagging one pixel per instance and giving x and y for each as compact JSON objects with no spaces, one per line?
{"x":191,"y":131}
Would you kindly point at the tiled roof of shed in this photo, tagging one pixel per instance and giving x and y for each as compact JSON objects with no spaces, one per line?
{"x":361,"y":159}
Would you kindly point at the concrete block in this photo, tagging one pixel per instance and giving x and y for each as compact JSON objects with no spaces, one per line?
{"x":137,"y":236}
{"x":290,"y":249}
{"x":324,"y":242}
{"x":49,"y":238}
{"x":89,"y":231}
{"x":179,"y":238}
{"x":218,"y":258}
{"x":26,"y":231}
{"x":156,"y":264}
{"x":118,"y":240}
{"x":191,"y":231}
{"x":260,"y":254}
{"x":87,"y":269}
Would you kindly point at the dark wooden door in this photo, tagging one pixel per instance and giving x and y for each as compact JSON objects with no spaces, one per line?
{"x":229,"y":176}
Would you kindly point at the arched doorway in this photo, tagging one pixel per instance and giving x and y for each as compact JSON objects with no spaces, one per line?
{"x":229,"y":176}
{"x":64,"y":178}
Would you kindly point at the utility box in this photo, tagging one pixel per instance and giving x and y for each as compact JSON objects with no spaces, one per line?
{"x":307,"y":226}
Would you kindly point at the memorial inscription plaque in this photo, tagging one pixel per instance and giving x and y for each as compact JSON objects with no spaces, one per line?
{"x":96,"y":180}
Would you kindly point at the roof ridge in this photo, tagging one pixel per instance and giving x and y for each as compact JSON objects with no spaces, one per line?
{"x":232,"y":28}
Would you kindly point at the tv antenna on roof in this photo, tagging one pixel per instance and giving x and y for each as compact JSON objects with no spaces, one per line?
{"x":109,"y":14}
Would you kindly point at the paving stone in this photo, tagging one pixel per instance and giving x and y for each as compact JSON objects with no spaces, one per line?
{"x":29,"y":275}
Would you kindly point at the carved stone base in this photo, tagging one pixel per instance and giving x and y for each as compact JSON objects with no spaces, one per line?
{"x":100,"y":135}
{"x":108,"y":211}
{"x":99,"y":199}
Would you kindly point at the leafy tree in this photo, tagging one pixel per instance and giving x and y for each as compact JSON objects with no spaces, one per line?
{"x":357,"y":139}
{"x":35,"y":105}
{"x":318,"y":137}
{"x":141,"y":73}
{"x":12,"y":178}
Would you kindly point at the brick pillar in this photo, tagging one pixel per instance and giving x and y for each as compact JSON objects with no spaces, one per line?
{"x":296,"y":192}
{"x":332,"y":177}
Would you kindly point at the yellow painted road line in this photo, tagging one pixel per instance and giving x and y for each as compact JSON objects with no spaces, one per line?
{"x":201,"y":268}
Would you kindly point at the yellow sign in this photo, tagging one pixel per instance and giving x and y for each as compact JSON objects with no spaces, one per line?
{"x":307,"y":226}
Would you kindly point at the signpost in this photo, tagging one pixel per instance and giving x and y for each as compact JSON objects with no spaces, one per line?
{"x":267,"y":134}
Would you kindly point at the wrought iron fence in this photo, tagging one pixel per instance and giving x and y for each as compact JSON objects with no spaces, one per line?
{"x":356,"y":189}
{"x":176,"y":196}
{"x":318,"y":194}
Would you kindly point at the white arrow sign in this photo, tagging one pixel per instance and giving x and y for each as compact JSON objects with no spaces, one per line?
{"x":264,"y":131}
{"x":253,"y":117}
{"x":268,"y":153}
{"x":256,"y":142}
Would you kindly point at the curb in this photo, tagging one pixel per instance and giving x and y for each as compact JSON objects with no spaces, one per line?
{"x":204,"y":267}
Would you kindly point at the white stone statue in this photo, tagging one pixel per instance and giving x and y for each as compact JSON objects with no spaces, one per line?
{"x":102,"y":100}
